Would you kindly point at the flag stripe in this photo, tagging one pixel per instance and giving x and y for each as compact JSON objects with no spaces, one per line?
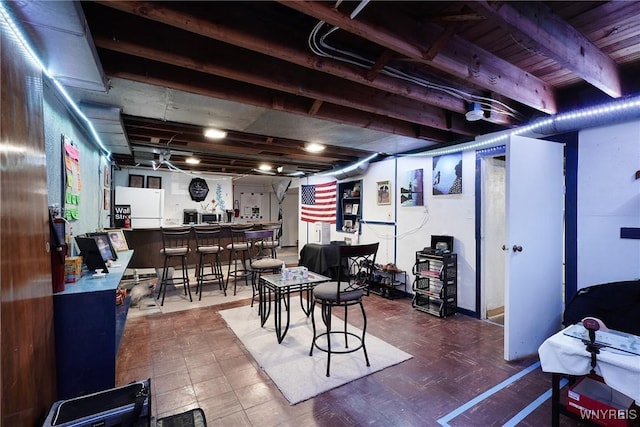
{"x":318,"y":202}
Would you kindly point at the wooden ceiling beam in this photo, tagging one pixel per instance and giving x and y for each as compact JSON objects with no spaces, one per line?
{"x":295,"y":83}
{"x":538,"y":26}
{"x":222,"y":89}
{"x":261,"y":43}
{"x":460,"y":58}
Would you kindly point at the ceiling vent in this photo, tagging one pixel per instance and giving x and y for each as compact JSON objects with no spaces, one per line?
{"x":351,"y":172}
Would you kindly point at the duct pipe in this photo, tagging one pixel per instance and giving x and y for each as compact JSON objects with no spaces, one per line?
{"x":621,"y":110}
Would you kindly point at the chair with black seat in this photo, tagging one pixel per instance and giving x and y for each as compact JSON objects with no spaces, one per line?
{"x":262,"y":257}
{"x":238,"y":256}
{"x":357,"y":263}
{"x":175,"y":245}
{"x":209,"y":249}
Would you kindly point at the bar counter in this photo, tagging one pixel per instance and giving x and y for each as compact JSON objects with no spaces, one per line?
{"x":147,"y":243}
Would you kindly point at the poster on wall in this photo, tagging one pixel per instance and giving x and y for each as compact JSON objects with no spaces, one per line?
{"x":73,"y":184}
{"x":412,"y":188}
{"x":250,"y":204}
{"x":447,"y":174}
{"x":384,"y":192}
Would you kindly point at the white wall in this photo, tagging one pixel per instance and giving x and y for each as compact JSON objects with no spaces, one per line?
{"x":177,"y":198}
{"x":608,"y":199}
{"x":402,"y":230}
{"x":176,"y":191}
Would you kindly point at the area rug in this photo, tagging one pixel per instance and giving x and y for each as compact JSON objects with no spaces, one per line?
{"x":298,"y":375}
{"x":176,"y":300}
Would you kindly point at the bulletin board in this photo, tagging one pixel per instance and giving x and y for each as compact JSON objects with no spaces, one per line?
{"x":251,"y":206}
{"x":72,"y":181}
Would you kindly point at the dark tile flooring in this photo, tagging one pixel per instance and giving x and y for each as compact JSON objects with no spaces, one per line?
{"x":195,"y":360}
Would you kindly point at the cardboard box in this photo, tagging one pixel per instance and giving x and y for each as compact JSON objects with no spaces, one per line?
{"x":72,"y":269}
{"x":593,"y":400}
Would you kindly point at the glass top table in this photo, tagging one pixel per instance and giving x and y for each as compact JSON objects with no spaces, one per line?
{"x":272,"y":287}
{"x":609,"y":338}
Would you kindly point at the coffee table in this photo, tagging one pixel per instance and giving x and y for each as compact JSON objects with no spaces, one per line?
{"x":273,"y":285}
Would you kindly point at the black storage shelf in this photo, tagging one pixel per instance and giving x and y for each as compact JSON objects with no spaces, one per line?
{"x":389,"y":283}
{"x":435,"y":287}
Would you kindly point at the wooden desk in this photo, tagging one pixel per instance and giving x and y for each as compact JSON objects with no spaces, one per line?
{"x":88,"y":325}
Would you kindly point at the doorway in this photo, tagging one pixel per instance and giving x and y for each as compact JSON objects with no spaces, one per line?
{"x":290,"y":217}
{"x":493,"y":237}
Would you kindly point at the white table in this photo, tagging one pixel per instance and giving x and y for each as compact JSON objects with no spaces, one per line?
{"x":564,"y":355}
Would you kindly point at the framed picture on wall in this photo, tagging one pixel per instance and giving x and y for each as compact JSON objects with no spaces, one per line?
{"x":154,"y":182}
{"x":136,"y":181}
{"x":384,"y":192}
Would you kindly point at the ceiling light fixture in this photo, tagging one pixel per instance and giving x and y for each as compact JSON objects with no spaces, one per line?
{"x":215,"y":133}
{"x":475,"y":113}
{"x":265,"y":167}
{"x":314,"y":147}
{"x":192,"y":160}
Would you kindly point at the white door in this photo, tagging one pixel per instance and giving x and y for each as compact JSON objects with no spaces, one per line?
{"x":533,"y":249}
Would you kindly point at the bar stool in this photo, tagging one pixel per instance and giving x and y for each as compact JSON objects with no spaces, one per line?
{"x":238,"y":253}
{"x":348,"y":290}
{"x":208,"y":248}
{"x":271,"y":244}
{"x":261,"y":260}
{"x":175,"y":244}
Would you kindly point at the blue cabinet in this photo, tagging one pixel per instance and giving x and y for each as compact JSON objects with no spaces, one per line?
{"x":88,"y":325}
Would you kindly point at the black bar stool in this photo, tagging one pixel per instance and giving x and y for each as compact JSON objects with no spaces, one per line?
{"x":355,"y":273}
{"x":208,"y":248}
{"x":262,"y":256}
{"x":175,"y":244}
{"x":238,"y":253}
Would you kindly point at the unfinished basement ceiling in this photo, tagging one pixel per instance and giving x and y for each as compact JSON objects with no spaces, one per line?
{"x":364,"y":77}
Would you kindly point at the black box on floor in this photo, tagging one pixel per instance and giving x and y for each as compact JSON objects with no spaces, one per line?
{"x":129,"y":405}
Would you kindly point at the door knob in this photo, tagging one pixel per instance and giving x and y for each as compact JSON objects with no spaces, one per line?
{"x":517,"y":248}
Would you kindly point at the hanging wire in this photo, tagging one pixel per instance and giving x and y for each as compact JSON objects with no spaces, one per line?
{"x":318,"y":45}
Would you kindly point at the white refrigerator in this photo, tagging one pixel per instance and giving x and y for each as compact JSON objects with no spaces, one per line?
{"x":147,"y":205}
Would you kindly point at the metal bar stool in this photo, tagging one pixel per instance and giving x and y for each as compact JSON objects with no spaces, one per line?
{"x":208,"y":248}
{"x":354,"y":276}
{"x":271,"y":244}
{"x":262,"y":258}
{"x":238,"y":254}
{"x":175,"y":244}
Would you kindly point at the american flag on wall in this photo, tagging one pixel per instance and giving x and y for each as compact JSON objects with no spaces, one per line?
{"x":319,"y":202}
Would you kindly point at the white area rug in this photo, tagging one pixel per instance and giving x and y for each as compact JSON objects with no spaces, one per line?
{"x":298,"y":375}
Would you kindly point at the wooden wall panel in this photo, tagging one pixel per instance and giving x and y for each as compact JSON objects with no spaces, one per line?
{"x":26,"y":312}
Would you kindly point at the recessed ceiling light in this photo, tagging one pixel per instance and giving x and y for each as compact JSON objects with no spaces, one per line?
{"x":215,"y":133}
{"x":192,"y":160}
{"x":314,"y":147}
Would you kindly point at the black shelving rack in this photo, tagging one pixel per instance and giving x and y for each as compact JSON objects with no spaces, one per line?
{"x":435,"y":287}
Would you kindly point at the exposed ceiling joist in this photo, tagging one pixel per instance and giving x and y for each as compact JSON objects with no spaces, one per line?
{"x":539,"y":27}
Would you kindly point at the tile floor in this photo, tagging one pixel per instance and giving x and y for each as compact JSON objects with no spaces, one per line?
{"x":195,"y":360}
